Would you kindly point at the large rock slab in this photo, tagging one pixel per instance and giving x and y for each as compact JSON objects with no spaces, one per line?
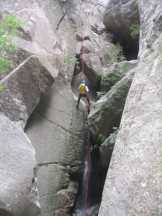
{"x":57,"y":131}
{"x":107,"y":111}
{"x":134,"y":180}
{"x":22,"y":88}
{"x":133,"y":184}
{"x":17,"y":160}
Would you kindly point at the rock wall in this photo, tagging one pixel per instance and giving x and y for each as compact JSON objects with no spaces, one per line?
{"x":134,"y":179}
{"x":50,"y":32}
{"x":65,"y":41}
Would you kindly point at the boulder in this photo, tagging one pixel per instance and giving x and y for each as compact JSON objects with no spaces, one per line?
{"x":66,"y":199}
{"x":22,"y":88}
{"x":120,"y":16}
{"x":17,"y":160}
{"x":107,"y":111}
{"x":92,"y":68}
{"x":95,"y":62}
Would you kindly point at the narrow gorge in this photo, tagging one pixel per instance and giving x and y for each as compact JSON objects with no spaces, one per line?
{"x":60,"y":160}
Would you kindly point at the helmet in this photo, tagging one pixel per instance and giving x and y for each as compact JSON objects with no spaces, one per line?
{"x":83,"y":81}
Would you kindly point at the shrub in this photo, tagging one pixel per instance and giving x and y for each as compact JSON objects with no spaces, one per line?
{"x":69,"y":60}
{"x":134,"y":31}
{"x":9,"y":26}
{"x":5,"y":65}
{"x":100,"y":139}
{"x":2,"y":88}
{"x":116,"y":53}
{"x":98,"y":82}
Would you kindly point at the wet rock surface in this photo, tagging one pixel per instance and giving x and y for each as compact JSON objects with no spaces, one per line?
{"x":57,"y":132}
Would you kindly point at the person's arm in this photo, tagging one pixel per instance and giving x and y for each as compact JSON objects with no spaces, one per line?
{"x":87,"y":89}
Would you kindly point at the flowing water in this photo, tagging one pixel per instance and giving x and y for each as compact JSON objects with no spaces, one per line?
{"x":92,"y":184}
{"x":82,"y":206}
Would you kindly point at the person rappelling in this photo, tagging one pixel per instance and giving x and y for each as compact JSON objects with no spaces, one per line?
{"x":83,"y":93}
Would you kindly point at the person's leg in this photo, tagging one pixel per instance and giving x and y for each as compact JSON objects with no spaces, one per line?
{"x":88,"y":101}
{"x":79,"y":97}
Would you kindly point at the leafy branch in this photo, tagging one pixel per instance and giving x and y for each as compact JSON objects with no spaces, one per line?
{"x":9,"y":26}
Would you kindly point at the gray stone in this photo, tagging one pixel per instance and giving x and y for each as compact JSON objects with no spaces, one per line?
{"x":17,"y":160}
{"x":107,"y":111}
{"x":66,"y":199}
{"x":92,"y":68}
{"x":22,"y":88}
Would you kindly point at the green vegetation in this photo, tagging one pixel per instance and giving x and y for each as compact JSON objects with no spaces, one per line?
{"x":69,"y":60}
{"x":116,"y":53}
{"x":124,"y":67}
{"x":5,"y":65}
{"x":2,"y":88}
{"x":134,"y":30}
{"x":109,"y":80}
{"x":100,"y":139}
{"x":9,"y":26}
{"x":98,"y":83}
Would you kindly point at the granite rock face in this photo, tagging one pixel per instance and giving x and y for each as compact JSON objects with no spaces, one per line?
{"x":22,"y":89}
{"x":134,"y":179}
{"x":17,"y":160}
